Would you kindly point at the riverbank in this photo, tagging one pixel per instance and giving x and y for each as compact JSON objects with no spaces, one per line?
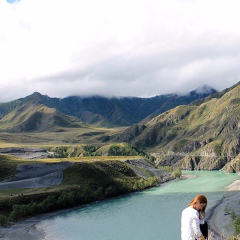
{"x":220,"y":220}
{"x":26,"y":230}
{"x":46,"y":175}
{"x":29,"y":230}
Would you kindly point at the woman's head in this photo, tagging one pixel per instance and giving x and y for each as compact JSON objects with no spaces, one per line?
{"x":199,"y":203}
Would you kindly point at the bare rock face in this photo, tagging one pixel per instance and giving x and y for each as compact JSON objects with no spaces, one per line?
{"x":36,"y":175}
{"x":233,"y":166}
{"x":29,"y":153}
{"x":145,"y":170}
{"x":39,"y":169}
{"x":204,"y":155}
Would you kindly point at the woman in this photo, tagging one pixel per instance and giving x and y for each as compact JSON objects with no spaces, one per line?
{"x":192,"y":218}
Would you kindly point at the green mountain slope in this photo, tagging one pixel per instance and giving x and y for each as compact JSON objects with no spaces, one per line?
{"x":205,"y":136}
{"x":36,"y":117}
{"x":107,"y":112}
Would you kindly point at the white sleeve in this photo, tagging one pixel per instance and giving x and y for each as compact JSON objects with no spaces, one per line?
{"x":196,"y":224}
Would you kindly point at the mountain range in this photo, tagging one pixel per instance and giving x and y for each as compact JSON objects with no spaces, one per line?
{"x":204,"y":135}
{"x":39,"y":112}
{"x":195,"y":131}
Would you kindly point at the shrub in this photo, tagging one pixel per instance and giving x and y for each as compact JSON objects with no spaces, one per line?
{"x":90,"y":150}
{"x":233,"y":214}
{"x":3,"y":220}
{"x":237,"y":225}
{"x":177,"y":173}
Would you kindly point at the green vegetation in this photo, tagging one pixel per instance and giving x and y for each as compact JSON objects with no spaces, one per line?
{"x":8,"y":166}
{"x":125,"y":149}
{"x":5,"y":108}
{"x":233,"y":214}
{"x":166,"y":168}
{"x":90,"y":150}
{"x":207,"y":135}
{"x":98,"y":111}
{"x":84,"y":182}
{"x":122,"y":150}
{"x":176,"y":172}
{"x":237,"y":225}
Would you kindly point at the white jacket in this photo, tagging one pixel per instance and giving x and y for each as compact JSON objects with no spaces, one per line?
{"x":190,"y":224}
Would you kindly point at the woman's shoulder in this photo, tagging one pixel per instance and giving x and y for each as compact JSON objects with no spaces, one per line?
{"x":190,"y":210}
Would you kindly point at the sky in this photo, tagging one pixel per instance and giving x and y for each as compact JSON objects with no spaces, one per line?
{"x":117,"y":47}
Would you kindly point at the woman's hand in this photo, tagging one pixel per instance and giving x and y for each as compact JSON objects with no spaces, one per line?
{"x":202,"y":237}
{"x":201,"y":217}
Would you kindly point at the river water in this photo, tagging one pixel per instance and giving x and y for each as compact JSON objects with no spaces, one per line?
{"x":148,"y":215}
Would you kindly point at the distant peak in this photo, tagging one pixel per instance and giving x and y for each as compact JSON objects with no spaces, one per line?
{"x":37,"y":94}
{"x":205,"y":89}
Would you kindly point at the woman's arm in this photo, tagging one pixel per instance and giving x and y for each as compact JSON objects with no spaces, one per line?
{"x":201,"y":218}
{"x":196,"y":225}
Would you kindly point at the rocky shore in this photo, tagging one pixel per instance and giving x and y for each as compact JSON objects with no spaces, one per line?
{"x":220,"y":220}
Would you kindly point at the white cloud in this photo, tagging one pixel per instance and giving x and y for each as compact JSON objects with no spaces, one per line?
{"x":122,"y":48}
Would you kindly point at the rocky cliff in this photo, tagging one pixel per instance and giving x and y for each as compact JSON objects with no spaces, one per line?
{"x":201,"y":136}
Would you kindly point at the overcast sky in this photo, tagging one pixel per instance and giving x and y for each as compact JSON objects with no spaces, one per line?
{"x":137,"y":48}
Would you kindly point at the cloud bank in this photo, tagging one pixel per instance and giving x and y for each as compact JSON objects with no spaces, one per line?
{"x":117,"y":48}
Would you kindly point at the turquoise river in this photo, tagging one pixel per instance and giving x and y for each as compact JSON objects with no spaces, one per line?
{"x":148,"y":215}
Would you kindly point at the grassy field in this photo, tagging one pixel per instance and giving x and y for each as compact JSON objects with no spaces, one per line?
{"x":66,"y":136}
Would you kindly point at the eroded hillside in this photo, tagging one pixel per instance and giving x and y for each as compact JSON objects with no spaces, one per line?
{"x":194,"y":137}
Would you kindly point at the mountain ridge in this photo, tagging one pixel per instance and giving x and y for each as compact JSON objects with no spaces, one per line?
{"x":101,"y":111}
{"x":196,"y":136}
{"x":35,"y":116}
